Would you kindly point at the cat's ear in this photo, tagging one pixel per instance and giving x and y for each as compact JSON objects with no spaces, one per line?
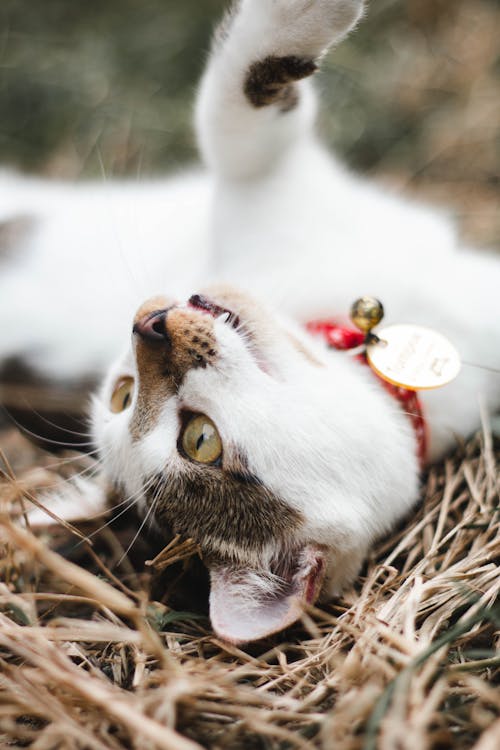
{"x":247,"y":604}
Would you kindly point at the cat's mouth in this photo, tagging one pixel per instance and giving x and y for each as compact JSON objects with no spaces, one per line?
{"x":235,"y":320}
{"x":206,"y":305}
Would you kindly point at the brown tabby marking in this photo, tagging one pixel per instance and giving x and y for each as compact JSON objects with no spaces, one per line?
{"x":269,"y":81}
{"x":192,"y":340}
{"x":153,"y":388}
{"x":230,"y":514}
{"x":162,"y":365}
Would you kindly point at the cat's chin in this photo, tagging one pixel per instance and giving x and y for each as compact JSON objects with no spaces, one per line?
{"x":249,"y":604}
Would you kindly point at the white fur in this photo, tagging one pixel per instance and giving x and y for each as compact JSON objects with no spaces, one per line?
{"x":279,"y":216}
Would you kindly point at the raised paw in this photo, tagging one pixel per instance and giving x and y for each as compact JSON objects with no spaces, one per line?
{"x":289,"y":36}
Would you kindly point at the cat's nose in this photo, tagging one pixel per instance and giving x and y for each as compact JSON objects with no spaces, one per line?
{"x":150,"y":320}
{"x":152,"y":327}
{"x":169,"y":340}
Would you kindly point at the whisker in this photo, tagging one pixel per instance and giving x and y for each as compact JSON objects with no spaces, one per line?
{"x":59,"y":427}
{"x":97,"y":458}
{"x":92,"y":472}
{"x":27,"y":495}
{"x":26,"y":431}
{"x":145,"y":520}
{"x":109,"y":508}
{"x":128,"y":502}
{"x":134,"y":283}
{"x":60,"y":480}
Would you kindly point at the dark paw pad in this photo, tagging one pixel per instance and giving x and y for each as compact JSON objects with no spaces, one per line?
{"x":269,"y":81}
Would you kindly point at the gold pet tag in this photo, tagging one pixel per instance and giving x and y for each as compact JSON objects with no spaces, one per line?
{"x":413,"y":357}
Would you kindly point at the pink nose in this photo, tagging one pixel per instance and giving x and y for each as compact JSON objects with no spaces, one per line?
{"x":152,"y":327}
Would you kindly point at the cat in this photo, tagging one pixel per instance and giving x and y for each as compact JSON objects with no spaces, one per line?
{"x":224,"y":419}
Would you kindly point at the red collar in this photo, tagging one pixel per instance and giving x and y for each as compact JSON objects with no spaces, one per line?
{"x":343,"y":338}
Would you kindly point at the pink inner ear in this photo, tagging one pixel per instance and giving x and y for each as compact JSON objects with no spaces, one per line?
{"x":247,"y":604}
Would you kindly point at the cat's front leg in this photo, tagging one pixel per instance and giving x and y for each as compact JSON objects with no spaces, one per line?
{"x":254,"y":103}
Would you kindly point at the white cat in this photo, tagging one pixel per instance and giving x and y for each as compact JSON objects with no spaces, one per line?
{"x":225,"y":420}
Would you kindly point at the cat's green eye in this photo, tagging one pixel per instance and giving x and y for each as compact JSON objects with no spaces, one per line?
{"x":121,"y":397}
{"x":200,"y":440}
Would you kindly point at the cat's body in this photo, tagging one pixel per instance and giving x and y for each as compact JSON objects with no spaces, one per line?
{"x":281,"y":218}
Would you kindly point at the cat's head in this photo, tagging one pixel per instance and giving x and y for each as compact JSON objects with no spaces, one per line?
{"x":280,"y":459}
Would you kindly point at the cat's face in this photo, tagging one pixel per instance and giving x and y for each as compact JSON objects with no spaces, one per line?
{"x":233,"y":428}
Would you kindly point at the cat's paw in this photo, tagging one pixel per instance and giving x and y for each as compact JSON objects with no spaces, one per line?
{"x":285,"y":38}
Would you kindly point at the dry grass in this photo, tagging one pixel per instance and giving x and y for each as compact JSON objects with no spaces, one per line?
{"x":407,"y":660}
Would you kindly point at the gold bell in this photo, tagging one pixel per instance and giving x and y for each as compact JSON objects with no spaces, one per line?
{"x":366,"y":313}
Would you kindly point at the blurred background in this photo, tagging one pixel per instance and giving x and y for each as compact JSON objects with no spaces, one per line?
{"x":105,"y":87}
